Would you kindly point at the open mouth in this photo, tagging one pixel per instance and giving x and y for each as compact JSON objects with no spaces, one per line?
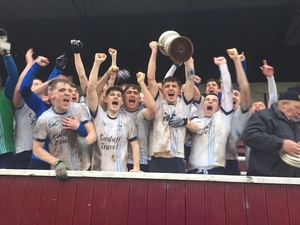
{"x":171,"y":94}
{"x":74,"y":99}
{"x":132,"y":101}
{"x":209,"y":108}
{"x":66,"y":100}
{"x":115,"y":103}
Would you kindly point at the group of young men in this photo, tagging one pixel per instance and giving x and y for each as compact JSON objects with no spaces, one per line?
{"x":110,"y":130}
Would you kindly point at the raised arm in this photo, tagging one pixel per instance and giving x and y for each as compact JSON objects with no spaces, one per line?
{"x":189,"y":82}
{"x":268,"y":71}
{"x":226,"y":102}
{"x":76,"y":46}
{"x":242,"y":80}
{"x":17,"y":99}
{"x":149,"y":113}
{"x":152,"y":84}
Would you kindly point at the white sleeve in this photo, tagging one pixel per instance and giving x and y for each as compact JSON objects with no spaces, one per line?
{"x":226,"y":102}
{"x":272,"y":89}
{"x":171,"y":71}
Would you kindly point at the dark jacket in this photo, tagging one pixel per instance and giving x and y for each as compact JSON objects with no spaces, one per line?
{"x":264,"y":134}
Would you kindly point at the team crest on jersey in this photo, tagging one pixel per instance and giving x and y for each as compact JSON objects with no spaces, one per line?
{"x":103,"y":123}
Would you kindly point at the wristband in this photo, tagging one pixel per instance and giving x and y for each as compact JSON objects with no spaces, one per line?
{"x":196,"y":84}
{"x":56,"y":163}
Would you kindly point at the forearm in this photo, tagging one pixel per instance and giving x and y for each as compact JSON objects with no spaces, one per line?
{"x":25,"y":87}
{"x":227,"y":103}
{"x":136,"y":157}
{"x":42,"y":88}
{"x":189,"y":84}
{"x":12,"y":78}
{"x":55,"y":72}
{"x":273,"y":96}
{"x":191,"y":126}
{"x":153,"y":88}
{"x":94,"y":76}
{"x":151,"y":106}
{"x":44,"y":155}
{"x":81,"y":73}
{"x":243,"y":85}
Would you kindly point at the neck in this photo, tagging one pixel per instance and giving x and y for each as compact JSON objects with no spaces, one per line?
{"x":59,"y":111}
{"x":112,"y":114}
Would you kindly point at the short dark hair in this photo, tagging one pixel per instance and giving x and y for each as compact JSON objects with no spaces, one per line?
{"x":134,"y":86}
{"x":56,"y":81}
{"x":205,"y":95}
{"x":171,"y":79}
{"x":114,"y":88}
{"x":213,"y":80}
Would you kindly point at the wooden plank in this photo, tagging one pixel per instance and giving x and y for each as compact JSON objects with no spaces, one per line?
{"x":83,"y":201}
{"x":102,"y":201}
{"x":32,"y":196}
{"x":15,"y":200}
{"x":119,"y":202}
{"x":48,"y":200}
{"x":195,"y":203}
{"x":66,"y":201}
{"x":293,"y":199}
{"x":5,"y":186}
{"x":235,"y":206}
{"x":277,"y":205}
{"x":156,"y":202}
{"x":175,"y":204}
{"x":256,"y":203}
{"x":137,"y":213}
{"x":215,"y":203}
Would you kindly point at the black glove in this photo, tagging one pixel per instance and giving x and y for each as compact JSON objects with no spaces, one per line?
{"x":122,"y":76}
{"x":61,"y":62}
{"x":76,"y":46}
{"x":61,"y":170}
{"x":177,"y":121}
{"x":4,"y":45}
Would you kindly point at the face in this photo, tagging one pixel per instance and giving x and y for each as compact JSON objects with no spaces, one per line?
{"x":170,"y":91}
{"x":114,"y":101}
{"x":36,"y":83}
{"x":212,"y":87}
{"x":257,"y":106}
{"x":236,"y":99}
{"x":131,"y":99}
{"x":210,"y":105}
{"x":61,"y":97}
{"x":182,"y":88}
{"x":291,"y":109}
{"x":142,"y":99}
{"x":75,"y":95}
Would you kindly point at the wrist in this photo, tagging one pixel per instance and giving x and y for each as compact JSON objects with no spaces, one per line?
{"x":57,"y":163}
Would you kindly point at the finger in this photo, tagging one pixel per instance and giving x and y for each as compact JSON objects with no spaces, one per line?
{"x":265,"y":62}
{"x":262,"y":68}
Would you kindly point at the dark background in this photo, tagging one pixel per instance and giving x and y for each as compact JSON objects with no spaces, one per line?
{"x":267,"y":29}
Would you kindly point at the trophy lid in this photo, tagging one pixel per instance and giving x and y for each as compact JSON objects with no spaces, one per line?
{"x":289,"y":159}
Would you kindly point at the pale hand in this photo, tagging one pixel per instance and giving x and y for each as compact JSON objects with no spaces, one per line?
{"x":242,"y":57}
{"x":153,"y":45}
{"x":267,"y":70}
{"x":220,"y":60}
{"x":233,"y":54}
{"x":197,"y":79}
{"x":112,"y":70}
{"x":100,"y":57}
{"x":291,"y":147}
{"x":135,"y":170}
{"x":29,"y":56}
{"x":140,"y":77}
{"x":112,"y":51}
{"x":70,"y":123}
{"x":42,"y":61}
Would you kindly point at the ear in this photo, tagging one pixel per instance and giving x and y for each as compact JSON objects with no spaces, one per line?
{"x":105,"y":99}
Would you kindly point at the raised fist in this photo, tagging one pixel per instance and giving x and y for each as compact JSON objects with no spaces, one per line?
{"x":220,"y":60}
{"x":112,"y":51}
{"x":140,"y":77}
{"x":76,"y":46}
{"x":29,"y":56}
{"x":112,"y":70}
{"x":61,"y":61}
{"x":197,"y":79}
{"x":42,"y":61}
{"x":267,"y":70}
{"x":233,"y":54}
{"x":153,"y":45}
{"x":3,"y":35}
{"x":100,"y":57}
{"x":242,"y":57}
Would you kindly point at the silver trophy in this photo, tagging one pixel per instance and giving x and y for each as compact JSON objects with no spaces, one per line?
{"x":178,"y":48}
{"x":289,"y":159}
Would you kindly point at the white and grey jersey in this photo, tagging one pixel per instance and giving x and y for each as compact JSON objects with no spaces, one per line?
{"x":113,"y":137}
{"x":209,"y":143}
{"x":142,"y":126}
{"x":167,"y":138}
{"x":62,"y":143}
{"x":238,"y":123}
{"x":25,"y":122}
